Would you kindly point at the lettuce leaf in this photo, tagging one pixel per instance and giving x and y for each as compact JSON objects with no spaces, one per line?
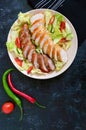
{"x":59,"y":17}
{"x":22,"y":17}
{"x":39,"y":50}
{"x":67,"y":45}
{"x":25,"y":65}
{"x":59,"y":65}
{"x":12,"y":48}
{"x":69,"y":36}
{"x":48,"y":15}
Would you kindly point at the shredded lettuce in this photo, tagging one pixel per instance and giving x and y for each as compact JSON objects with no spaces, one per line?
{"x":14,"y":35}
{"x":16,"y":26}
{"x":38,"y":71}
{"x":22,"y":17}
{"x":39,"y":50}
{"x":12,"y":48}
{"x":67,"y":45}
{"x":69,"y":36}
{"x":49,"y":28}
{"x":59,"y":65}
{"x":19,"y":50}
{"x":56,"y":40}
{"x":68,"y":30}
{"x":59,"y":17}
{"x":54,"y":29}
{"x":25,"y":65}
{"x":56,"y":34}
{"x":48,"y":15}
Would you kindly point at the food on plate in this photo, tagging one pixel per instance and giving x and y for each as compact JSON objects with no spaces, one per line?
{"x":39,"y":42}
{"x":43,"y":39}
{"x":40,"y":61}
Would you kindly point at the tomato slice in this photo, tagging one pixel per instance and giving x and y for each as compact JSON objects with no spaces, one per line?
{"x":62,"y":26}
{"x":7,"y":107}
{"x":30,"y":69}
{"x":18,"y":61}
{"x":17,"y":42}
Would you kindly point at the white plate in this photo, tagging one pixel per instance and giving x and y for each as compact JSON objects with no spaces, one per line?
{"x":71,"y":52}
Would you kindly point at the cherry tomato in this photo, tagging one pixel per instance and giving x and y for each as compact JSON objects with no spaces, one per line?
{"x":19,"y":62}
{"x":7,"y":107}
{"x":17,"y":42}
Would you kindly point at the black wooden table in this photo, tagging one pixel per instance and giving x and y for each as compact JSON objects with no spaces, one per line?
{"x":64,"y":96}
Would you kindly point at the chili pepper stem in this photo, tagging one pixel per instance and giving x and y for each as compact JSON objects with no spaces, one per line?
{"x":21,"y":114}
{"x":39,"y":105}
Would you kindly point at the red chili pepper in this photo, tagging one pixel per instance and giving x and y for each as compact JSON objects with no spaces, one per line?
{"x":63,"y":40}
{"x":17,"y":42}
{"x":52,"y":19}
{"x":30,"y":69}
{"x":19,"y":62}
{"x":27,"y":97}
{"x":62,"y":26}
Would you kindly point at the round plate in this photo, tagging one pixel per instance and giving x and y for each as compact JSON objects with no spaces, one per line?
{"x":71,"y":51}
